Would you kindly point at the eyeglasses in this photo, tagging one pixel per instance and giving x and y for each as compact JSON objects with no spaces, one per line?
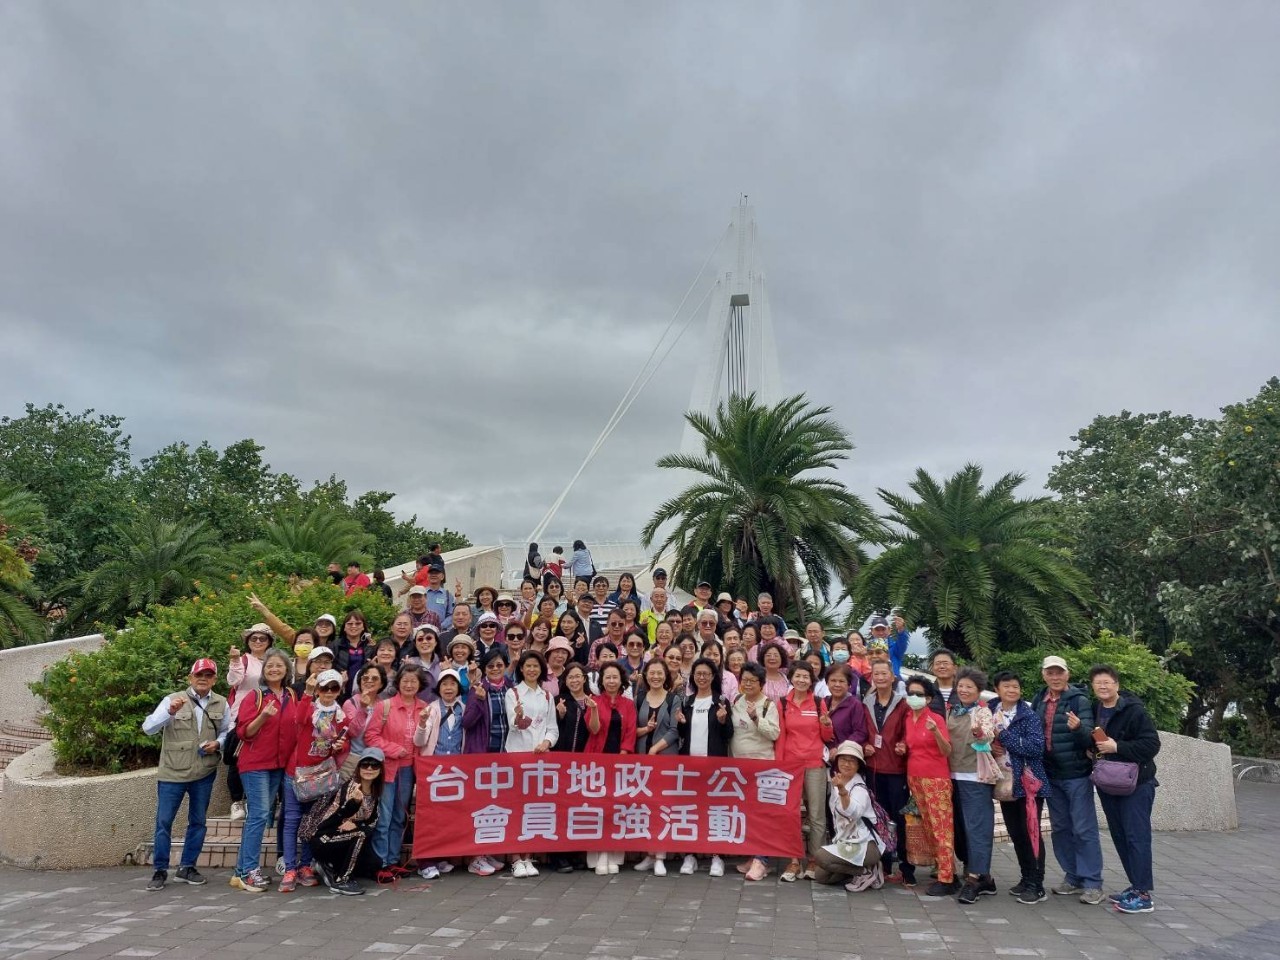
{"x":370,"y":678}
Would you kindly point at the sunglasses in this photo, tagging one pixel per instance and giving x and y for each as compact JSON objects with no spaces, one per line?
{"x":514,"y":636}
{"x":331,"y":688}
{"x":370,"y":765}
{"x":488,"y":626}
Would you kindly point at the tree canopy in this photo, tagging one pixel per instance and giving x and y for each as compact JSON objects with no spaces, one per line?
{"x":763,"y":513}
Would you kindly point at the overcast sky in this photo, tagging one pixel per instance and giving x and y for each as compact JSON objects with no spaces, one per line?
{"x":425,"y":246}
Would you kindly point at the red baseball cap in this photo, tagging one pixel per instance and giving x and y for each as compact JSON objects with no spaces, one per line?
{"x":202,"y":665}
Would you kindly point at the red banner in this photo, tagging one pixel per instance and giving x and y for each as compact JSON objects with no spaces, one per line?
{"x":543,"y":803}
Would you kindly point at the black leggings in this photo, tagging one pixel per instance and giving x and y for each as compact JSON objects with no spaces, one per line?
{"x":1015,"y":821}
{"x":345,"y":855}
{"x":890,"y":790}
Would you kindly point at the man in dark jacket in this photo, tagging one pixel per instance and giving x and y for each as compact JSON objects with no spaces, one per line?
{"x":1131,"y":737}
{"x":1067,"y":715}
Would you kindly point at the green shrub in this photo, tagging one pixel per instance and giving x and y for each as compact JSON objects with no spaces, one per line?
{"x":97,"y":701}
{"x":1164,"y":693}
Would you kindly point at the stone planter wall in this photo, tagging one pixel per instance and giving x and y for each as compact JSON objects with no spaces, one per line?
{"x":52,"y":822}
{"x":23,"y":665}
{"x":1197,"y":791}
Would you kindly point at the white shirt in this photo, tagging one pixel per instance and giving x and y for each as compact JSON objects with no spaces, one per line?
{"x":159,"y":718}
{"x":540,"y":713}
{"x":700,"y":726}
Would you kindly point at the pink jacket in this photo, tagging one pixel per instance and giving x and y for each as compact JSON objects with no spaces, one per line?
{"x":391,"y":728}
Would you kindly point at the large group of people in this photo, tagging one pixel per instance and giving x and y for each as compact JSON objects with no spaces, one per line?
{"x":324,"y":726}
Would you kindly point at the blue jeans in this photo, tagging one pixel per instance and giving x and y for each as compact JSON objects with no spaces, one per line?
{"x":393,"y":812}
{"x":168,"y":799}
{"x":295,"y":854}
{"x":1076,"y":845}
{"x":977,"y":809}
{"x":1129,"y":820}
{"x":260,"y":789}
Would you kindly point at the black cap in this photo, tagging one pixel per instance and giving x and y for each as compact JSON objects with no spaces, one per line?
{"x":659,"y":573}
{"x":701,"y":584}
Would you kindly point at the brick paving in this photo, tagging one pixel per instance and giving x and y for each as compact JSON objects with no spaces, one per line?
{"x":1218,"y":898}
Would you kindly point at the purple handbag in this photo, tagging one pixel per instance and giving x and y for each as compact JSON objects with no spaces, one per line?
{"x":1117,"y":778}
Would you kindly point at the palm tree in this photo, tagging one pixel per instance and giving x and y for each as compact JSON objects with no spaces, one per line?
{"x":305,"y":541}
{"x":758,"y":519}
{"x":22,"y":516}
{"x":152,"y":561}
{"x":982,"y":570}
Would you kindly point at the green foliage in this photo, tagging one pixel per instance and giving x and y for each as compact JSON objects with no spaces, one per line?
{"x":1176,"y":521}
{"x":982,"y":570}
{"x":758,"y":518}
{"x":152,"y":561}
{"x":78,"y":466}
{"x":398,"y":541}
{"x":1164,"y":693}
{"x":22,"y":519}
{"x":97,"y":701}
{"x":307,"y":539}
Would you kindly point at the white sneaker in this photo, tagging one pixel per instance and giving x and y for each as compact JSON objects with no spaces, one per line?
{"x":518,"y":869}
{"x":445,"y":866}
{"x":690,"y":864}
{"x":529,"y":869}
{"x":645,"y":864}
{"x":613,"y":868}
{"x":717,"y":867}
{"x":429,"y":872}
{"x":659,"y":868}
{"x":238,"y":810}
{"x":480,"y":867}
{"x":602,"y":867}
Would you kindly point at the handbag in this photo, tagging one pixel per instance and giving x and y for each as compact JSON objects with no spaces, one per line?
{"x":316,"y":780}
{"x":1116,"y":778}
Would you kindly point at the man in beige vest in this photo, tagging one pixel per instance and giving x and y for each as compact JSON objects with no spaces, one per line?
{"x":193,"y":726}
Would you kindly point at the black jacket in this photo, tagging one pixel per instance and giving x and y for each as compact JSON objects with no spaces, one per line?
{"x":718,"y":734}
{"x":1136,"y":737}
{"x":1066,"y":754}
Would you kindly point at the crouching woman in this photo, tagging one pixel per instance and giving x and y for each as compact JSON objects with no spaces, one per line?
{"x":853,"y":857}
{"x":339,"y":828}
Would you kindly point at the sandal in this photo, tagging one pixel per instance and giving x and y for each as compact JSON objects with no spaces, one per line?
{"x":790,"y":874}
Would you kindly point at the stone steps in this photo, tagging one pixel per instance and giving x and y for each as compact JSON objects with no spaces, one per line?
{"x":17,"y":737}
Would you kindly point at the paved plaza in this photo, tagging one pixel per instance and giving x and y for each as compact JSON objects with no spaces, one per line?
{"x":1218,"y":897}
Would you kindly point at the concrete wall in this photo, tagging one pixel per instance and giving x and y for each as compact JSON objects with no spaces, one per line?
{"x":51,"y":822}
{"x":474,"y":566}
{"x":22,"y":665}
{"x":1196,"y":789}
{"x":1257,"y":769}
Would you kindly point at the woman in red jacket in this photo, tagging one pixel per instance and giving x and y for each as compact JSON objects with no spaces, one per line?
{"x":886,"y":768}
{"x":266,"y":731}
{"x":391,"y":729}
{"x":321,"y":734}
{"x":804,"y":731}
{"x":612,"y":725}
{"x":927,"y":746}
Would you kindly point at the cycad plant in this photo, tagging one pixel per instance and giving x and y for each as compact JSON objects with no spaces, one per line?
{"x":981,"y":569}
{"x":764,"y":513}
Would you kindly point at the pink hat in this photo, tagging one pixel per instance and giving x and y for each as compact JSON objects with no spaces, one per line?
{"x":204,"y":664}
{"x":560,"y":643}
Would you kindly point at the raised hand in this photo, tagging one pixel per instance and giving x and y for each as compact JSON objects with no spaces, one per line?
{"x":1073,"y":722}
{"x":176,"y":703}
{"x":561,"y":708}
{"x":270,"y":708}
{"x":234,"y":652}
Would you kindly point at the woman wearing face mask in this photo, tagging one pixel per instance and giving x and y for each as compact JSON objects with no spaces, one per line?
{"x":439,"y":734}
{"x":927,"y":747}
{"x":840,"y":654}
{"x":266,"y":731}
{"x":532,"y":727}
{"x":612,"y":725}
{"x":705,"y":731}
{"x":371,"y":681}
{"x":804,"y":731}
{"x":339,"y":826}
{"x":321,"y":735}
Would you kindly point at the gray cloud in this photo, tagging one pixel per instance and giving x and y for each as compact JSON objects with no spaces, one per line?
{"x":426,"y":246}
